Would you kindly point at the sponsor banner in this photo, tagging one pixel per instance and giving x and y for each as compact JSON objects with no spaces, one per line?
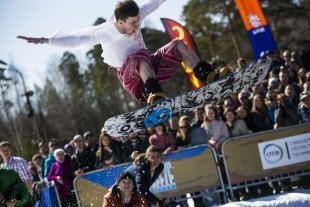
{"x":166,"y":180}
{"x":261,"y":41}
{"x":256,"y":25}
{"x":285,"y":151}
{"x":107,"y":177}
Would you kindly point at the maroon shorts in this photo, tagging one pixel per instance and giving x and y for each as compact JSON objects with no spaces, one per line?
{"x":165,"y":62}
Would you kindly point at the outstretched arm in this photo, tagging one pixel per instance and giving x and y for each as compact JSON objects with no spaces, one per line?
{"x":86,"y":37}
{"x":149,"y":6}
{"x":33,"y":40}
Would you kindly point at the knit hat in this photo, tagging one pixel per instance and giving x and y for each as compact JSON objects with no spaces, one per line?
{"x":68,"y":146}
{"x":124,"y":175}
{"x":304,"y":95}
{"x":77,"y":137}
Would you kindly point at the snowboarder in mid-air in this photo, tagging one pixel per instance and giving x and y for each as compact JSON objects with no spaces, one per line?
{"x":139,"y":71}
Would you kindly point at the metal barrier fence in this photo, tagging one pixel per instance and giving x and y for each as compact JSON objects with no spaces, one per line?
{"x":190,"y":170}
{"x":247,"y":161}
{"x":266,"y":156}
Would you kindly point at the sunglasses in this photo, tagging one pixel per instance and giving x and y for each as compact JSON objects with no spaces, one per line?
{"x":53,"y":145}
{"x":182,"y":127}
{"x":270,"y":99}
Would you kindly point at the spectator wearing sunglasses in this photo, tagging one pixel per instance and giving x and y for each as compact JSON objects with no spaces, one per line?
{"x":52,"y":146}
{"x":183,"y":136}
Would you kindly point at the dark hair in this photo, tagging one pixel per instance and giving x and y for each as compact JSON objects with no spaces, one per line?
{"x":125,"y":175}
{"x":125,"y":9}
{"x":185,"y":137}
{"x":53,"y":140}
{"x":229,"y":110}
{"x":101,"y":151}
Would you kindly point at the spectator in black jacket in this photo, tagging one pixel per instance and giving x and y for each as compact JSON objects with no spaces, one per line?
{"x":109,"y":153}
{"x":304,"y":107}
{"x":133,"y":147}
{"x":84,"y":158}
{"x":259,"y":114}
{"x":285,"y":114}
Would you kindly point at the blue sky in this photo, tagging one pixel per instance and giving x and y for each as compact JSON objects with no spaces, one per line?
{"x":42,"y":18}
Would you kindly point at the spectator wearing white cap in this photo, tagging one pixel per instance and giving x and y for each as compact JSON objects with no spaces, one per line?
{"x":304,"y":107}
{"x":85,"y":158}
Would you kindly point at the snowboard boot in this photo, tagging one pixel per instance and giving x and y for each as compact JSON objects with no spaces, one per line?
{"x":153,"y":91}
{"x":206,"y":74}
{"x":225,"y":71}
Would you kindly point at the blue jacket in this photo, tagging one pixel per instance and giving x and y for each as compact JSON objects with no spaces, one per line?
{"x":48,"y":163}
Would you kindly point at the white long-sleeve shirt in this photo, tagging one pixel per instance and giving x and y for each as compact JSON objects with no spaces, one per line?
{"x":116,"y":46}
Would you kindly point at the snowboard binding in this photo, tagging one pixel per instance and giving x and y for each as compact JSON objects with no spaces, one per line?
{"x":153,"y":91}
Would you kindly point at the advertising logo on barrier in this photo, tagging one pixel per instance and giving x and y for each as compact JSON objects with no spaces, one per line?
{"x":166,"y":181}
{"x":285,"y":151}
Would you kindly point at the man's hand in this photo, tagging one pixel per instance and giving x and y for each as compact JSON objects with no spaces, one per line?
{"x":79,"y":172}
{"x":33,"y":40}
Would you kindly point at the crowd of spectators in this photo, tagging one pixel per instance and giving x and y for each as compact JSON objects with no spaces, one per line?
{"x":282,"y":99}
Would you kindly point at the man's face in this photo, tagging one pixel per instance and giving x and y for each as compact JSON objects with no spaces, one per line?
{"x":52,"y":146}
{"x":200,"y":114}
{"x":5,"y":151}
{"x":43,"y":149}
{"x":130,"y":25}
{"x":126,"y":186}
{"x":283,"y":78}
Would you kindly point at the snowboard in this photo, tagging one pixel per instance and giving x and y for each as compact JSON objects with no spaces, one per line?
{"x":131,"y":122}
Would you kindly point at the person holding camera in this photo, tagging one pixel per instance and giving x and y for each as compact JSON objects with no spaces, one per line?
{"x":285,"y":114}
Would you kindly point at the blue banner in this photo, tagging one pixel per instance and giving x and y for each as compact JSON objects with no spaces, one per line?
{"x":262,"y":41}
